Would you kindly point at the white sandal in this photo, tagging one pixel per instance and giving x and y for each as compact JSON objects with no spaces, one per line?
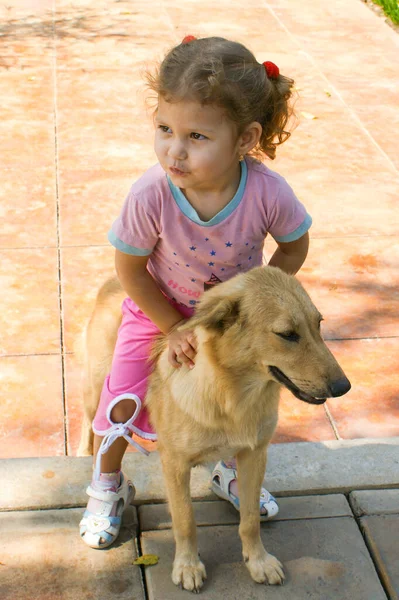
{"x":100,"y":530}
{"x":223,"y":476}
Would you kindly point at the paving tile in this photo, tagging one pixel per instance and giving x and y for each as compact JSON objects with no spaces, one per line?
{"x":27,"y":94}
{"x":218,"y":21}
{"x":27,"y":38}
{"x":354,"y":284}
{"x":294,"y":469}
{"x":35,"y":563}
{"x":321,"y":27}
{"x":28,"y":207}
{"x":115,"y":34}
{"x":22,"y":8}
{"x":374,"y":502}
{"x":323,"y":558}
{"x":82,"y":221}
{"x":370,"y":409}
{"x":157,"y":516}
{"x":381,"y":533}
{"x":29,"y":315}
{"x":32,"y":421}
{"x":28,"y":147}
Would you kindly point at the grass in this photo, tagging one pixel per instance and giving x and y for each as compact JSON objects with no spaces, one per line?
{"x":390,"y":8}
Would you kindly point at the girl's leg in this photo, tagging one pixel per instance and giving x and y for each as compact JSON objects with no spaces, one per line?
{"x":112,"y":460}
{"x":110,"y":492}
{"x":225,"y":485}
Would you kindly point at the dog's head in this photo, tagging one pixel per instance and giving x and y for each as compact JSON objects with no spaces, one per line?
{"x":263,"y":321}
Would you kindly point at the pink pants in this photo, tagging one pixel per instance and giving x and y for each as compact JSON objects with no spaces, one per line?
{"x":129,"y":375}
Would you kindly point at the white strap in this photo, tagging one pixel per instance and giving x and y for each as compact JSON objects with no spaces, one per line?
{"x":117,"y":430}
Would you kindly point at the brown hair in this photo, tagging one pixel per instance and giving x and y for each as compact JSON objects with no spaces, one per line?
{"x":217,"y":71}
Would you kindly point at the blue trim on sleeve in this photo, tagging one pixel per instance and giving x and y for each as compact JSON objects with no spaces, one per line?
{"x":192,"y":214}
{"x":298,"y":233}
{"x":125,"y":248}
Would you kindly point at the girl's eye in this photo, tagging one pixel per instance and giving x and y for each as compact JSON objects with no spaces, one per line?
{"x":165,"y":128}
{"x":197,"y":136}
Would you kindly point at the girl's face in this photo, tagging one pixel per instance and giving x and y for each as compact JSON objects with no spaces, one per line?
{"x":197,"y":146}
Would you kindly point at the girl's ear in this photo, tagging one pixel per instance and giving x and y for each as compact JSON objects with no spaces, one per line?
{"x":249,"y":137}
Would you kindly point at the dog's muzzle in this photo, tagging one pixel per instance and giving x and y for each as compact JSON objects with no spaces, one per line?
{"x":337,"y":388}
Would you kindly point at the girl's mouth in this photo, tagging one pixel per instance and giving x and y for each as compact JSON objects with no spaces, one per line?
{"x":178,"y":172}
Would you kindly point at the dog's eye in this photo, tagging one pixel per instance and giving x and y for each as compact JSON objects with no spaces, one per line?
{"x":290,"y":336}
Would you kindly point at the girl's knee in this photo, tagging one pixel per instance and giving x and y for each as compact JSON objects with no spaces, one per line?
{"x":123,"y":410}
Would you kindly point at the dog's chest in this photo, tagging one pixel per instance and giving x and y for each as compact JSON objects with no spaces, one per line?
{"x":224,"y":444}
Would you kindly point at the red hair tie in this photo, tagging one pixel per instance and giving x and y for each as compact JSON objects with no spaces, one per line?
{"x":272,"y":70}
{"x":188,"y":39}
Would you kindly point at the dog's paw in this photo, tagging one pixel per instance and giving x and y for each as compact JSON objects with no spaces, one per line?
{"x":266,"y":569}
{"x":190,"y":575}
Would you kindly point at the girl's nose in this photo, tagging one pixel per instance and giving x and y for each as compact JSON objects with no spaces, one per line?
{"x":177,"y":150}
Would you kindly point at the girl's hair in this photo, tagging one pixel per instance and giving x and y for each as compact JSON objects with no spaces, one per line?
{"x":214,"y":70}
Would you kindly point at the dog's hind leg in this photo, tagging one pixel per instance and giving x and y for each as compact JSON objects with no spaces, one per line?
{"x":97,"y":346}
{"x":188,"y":570}
{"x":92,"y":386}
{"x":263,"y":567}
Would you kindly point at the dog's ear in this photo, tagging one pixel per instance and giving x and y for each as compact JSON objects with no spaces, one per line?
{"x":216,"y":313}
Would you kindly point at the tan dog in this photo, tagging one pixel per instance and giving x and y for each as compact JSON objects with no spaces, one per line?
{"x":254,"y":332}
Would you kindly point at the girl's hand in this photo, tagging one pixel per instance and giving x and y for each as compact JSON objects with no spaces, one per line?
{"x":182,"y":348}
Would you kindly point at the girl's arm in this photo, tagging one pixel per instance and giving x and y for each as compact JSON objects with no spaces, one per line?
{"x":143,"y":290}
{"x":290,"y":256}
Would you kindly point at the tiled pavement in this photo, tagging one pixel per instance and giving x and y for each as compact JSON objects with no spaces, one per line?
{"x":334,"y":542}
{"x":75,"y":134}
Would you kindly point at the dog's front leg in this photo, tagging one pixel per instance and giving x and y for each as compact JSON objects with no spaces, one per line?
{"x":188,"y":570}
{"x":264,"y":568}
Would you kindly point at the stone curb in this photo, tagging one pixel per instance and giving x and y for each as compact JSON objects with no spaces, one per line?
{"x":294,"y":469}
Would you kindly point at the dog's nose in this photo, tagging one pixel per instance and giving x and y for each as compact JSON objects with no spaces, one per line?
{"x":340,"y":387}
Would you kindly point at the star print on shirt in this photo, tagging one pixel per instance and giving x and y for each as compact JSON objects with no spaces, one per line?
{"x":228,"y":244}
{"x":212,"y":253}
{"x":193,"y":248}
{"x":211,"y":264}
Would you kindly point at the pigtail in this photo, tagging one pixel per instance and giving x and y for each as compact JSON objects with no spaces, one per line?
{"x":275,"y":111}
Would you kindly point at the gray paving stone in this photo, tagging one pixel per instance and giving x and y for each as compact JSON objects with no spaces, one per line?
{"x":293,"y":470}
{"x":375,"y":502}
{"x":43,"y":558}
{"x":156,"y":516}
{"x":382,"y":534}
{"x":57,"y":482}
{"x":324,"y":559}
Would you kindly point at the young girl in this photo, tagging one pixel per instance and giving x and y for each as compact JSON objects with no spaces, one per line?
{"x":197,"y":218}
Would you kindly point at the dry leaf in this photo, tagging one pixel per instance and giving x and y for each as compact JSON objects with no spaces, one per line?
{"x":147,"y":560}
{"x":308,"y":115}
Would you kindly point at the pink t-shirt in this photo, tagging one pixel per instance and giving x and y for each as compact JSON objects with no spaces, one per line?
{"x":188,"y":255}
